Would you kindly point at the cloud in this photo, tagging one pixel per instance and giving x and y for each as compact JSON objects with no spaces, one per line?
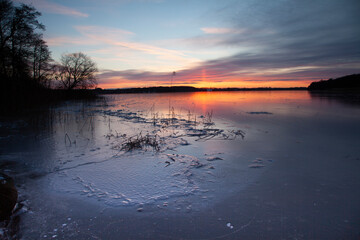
{"x":117,"y":44}
{"x":120,"y":38}
{"x":292,"y":26}
{"x":59,"y":41}
{"x":106,"y":32}
{"x":209,"y":30}
{"x":261,"y":69}
{"x":50,"y":7}
{"x":90,"y":35}
{"x":284,"y":41}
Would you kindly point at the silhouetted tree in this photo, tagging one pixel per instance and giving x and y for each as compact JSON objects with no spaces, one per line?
{"x":6,"y":16}
{"x":20,"y":44}
{"x":77,"y":70}
{"x":24,"y":56}
{"x":41,"y":67}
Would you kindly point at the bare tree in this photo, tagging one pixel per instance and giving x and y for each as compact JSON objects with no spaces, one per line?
{"x":19,"y":26}
{"x":77,"y":70}
{"x":41,"y":62}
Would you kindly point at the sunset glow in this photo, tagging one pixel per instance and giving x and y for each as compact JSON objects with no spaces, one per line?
{"x":212,"y":43}
{"x":206,"y":81}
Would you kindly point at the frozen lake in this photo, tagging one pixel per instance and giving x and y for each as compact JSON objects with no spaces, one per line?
{"x":210,"y":165}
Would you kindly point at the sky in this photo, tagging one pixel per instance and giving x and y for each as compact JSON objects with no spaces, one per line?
{"x":208,"y":43}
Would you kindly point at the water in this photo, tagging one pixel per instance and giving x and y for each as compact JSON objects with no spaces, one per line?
{"x":273,"y":164}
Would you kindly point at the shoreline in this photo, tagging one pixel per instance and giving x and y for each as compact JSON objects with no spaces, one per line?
{"x":176,"y":89}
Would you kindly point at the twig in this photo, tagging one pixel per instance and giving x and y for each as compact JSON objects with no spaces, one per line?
{"x":67,"y":137}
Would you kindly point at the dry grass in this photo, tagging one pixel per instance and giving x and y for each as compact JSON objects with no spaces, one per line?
{"x":142,"y":142}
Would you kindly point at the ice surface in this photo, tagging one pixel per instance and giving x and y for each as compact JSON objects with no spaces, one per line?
{"x":132,"y":179}
{"x":213,"y":158}
{"x":72,"y":166}
{"x":259,"y":113}
{"x":256,"y":165}
{"x":105,"y":166}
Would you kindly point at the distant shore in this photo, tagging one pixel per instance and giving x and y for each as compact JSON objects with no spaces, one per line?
{"x":186,"y":89}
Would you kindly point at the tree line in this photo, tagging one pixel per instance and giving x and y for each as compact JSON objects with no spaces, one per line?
{"x":349,"y":82}
{"x":25,"y":59}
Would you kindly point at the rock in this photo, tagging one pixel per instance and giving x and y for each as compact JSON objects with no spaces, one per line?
{"x":8,"y":196}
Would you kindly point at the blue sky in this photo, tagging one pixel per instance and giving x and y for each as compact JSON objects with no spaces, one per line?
{"x":208,"y":43}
